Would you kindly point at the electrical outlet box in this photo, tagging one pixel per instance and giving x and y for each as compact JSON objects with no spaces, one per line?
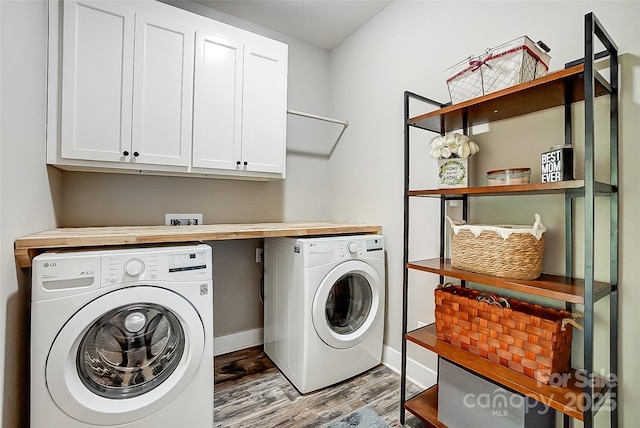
{"x":259,"y":255}
{"x":182,"y":219}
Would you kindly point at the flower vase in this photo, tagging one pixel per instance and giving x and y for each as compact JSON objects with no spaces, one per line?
{"x":453,"y":172}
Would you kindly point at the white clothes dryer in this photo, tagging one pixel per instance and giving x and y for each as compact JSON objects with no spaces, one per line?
{"x":122,"y":338}
{"x":324,"y":307}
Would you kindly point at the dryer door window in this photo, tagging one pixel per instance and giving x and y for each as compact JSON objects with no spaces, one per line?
{"x":349,"y":303}
{"x":130,"y":350}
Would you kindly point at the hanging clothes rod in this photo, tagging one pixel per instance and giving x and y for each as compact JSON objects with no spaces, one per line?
{"x":344,"y":124}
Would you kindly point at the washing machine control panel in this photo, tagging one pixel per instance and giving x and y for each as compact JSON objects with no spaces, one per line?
{"x":183,"y":262}
{"x":183,"y":265}
{"x":134,"y":267}
{"x":118,"y":268}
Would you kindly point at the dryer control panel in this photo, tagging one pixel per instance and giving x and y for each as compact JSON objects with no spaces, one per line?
{"x":319,"y":251}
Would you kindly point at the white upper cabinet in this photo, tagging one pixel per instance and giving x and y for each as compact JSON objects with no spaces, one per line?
{"x":150,"y":88}
{"x":240,"y":102}
{"x":217,"y":106}
{"x":265,"y":106}
{"x":97,"y":83}
{"x":162,"y":91}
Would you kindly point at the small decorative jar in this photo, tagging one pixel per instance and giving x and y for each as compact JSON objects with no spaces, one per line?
{"x":453,"y":172}
{"x":452,"y":150}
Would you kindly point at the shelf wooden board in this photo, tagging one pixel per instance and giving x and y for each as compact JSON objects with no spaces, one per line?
{"x":571,"y":186}
{"x":563,"y":398}
{"x":29,"y":246}
{"x":425,"y":407}
{"x":546,"y":92}
{"x":553,"y":286}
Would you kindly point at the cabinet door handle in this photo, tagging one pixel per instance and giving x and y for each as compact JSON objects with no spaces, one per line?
{"x":125,"y":153}
{"x":245,"y":163}
{"x":136,"y":154}
{"x":237,"y":162}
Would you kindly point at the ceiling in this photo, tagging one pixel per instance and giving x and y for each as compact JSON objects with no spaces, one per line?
{"x":323,"y":23}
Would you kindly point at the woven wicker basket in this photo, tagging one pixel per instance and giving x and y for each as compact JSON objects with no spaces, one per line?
{"x":531,"y":339}
{"x":504,"y":251}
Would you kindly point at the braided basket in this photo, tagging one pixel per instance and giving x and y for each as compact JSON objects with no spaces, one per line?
{"x":531,"y":339}
{"x":504,"y":251}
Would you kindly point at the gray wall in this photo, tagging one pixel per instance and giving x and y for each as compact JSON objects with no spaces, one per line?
{"x":29,"y":193}
{"x":407,"y":47}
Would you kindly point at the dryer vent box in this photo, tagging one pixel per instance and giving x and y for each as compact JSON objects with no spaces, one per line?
{"x":183,"y":219}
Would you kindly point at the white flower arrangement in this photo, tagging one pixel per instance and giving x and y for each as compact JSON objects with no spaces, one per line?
{"x":452,"y":145}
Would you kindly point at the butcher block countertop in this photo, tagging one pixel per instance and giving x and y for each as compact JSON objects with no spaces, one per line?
{"x":72,"y":237}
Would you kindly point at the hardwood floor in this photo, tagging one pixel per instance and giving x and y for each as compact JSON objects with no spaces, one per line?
{"x":251,"y":392}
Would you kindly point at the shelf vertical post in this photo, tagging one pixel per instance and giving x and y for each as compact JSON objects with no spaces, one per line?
{"x":614,"y":221}
{"x":568,"y":198}
{"x":443,"y":228}
{"x":589,"y":208}
{"x":405,"y":261}
{"x":405,"y":276}
{"x":568,"y":231}
{"x":594,"y":28}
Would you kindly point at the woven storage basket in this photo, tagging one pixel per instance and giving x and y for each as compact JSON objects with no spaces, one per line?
{"x":508,"y":251}
{"x":531,"y":339}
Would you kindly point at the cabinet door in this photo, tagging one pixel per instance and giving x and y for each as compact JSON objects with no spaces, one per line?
{"x":97,"y":61}
{"x":217,"y":102}
{"x":162,"y":94}
{"x":264,"y":107}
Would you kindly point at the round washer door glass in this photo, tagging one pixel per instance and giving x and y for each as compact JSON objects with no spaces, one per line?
{"x":349,"y":303}
{"x":130,"y":350}
{"x":125,"y":355}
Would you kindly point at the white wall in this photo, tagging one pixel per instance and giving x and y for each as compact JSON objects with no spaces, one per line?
{"x":407,"y":47}
{"x":28,"y":192}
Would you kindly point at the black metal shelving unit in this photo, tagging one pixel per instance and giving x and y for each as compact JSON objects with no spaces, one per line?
{"x":579,"y":81}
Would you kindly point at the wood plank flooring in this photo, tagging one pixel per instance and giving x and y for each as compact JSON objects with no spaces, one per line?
{"x":251,"y":392}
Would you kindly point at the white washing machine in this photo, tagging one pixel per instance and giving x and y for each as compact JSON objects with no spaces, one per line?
{"x":122,"y":338}
{"x":324,"y":307}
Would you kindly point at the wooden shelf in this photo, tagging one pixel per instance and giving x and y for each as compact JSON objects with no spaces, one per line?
{"x":575,"y":187}
{"x":543,"y":188}
{"x":425,"y":407}
{"x":552,"y":90}
{"x":72,"y":237}
{"x":553,"y":286}
{"x":565,"y":399}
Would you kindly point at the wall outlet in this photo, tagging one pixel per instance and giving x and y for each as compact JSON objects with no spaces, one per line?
{"x":259,"y":255}
{"x":182,"y":219}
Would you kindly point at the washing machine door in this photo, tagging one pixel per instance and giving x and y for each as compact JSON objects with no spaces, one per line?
{"x":125,"y":355}
{"x":346,"y":304}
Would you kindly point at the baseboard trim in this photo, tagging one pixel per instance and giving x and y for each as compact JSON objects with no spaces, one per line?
{"x":417,"y":373}
{"x":237,"y":341}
